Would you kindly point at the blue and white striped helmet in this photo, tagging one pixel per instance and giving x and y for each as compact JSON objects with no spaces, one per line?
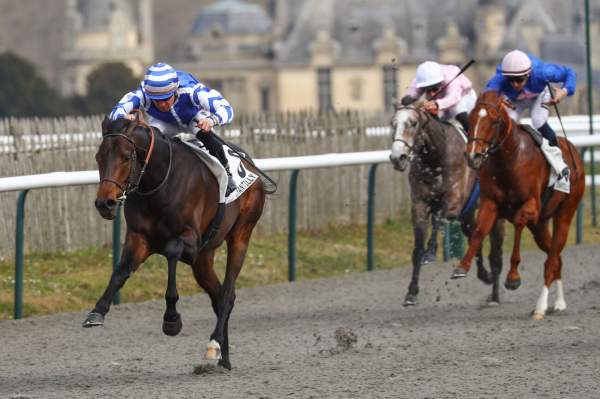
{"x":160,"y":81}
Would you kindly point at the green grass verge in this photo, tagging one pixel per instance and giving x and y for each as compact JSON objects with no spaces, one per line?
{"x":74,"y":280}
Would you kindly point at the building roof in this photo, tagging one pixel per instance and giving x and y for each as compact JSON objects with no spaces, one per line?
{"x":232,"y":17}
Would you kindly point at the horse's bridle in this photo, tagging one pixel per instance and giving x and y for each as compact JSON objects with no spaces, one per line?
{"x":133,"y":183}
{"x":494,"y":144}
{"x":419,"y":126}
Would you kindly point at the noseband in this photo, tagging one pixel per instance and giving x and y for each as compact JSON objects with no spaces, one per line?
{"x":133,"y":183}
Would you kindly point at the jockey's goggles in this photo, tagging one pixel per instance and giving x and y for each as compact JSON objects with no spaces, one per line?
{"x":434,"y":88}
{"x":517,"y":79}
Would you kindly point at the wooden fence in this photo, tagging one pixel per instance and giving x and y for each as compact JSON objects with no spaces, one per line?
{"x":60,"y":219}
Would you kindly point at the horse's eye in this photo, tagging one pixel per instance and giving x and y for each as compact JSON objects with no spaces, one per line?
{"x":413,"y":123}
{"x":127,"y":158}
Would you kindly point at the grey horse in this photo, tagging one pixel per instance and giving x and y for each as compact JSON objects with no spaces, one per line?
{"x":440,"y":186}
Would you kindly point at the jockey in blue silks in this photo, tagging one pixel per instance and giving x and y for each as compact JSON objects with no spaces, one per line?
{"x":524,"y":79}
{"x":175,"y":101}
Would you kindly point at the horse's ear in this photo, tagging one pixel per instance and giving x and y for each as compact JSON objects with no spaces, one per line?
{"x":105,"y":124}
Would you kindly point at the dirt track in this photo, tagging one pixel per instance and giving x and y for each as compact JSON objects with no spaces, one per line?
{"x":284,"y":342}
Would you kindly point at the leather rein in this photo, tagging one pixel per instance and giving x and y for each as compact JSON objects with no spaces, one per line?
{"x":133,"y":183}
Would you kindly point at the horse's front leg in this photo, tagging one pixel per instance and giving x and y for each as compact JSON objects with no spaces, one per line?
{"x":495,"y":258}
{"x":420,"y":214}
{"x":488,"y":213}
{"x":528,"y":213}
{"x":135,"y":251}
{"x":172,"y":320}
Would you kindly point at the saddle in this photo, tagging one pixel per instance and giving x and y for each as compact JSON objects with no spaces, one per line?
{"x":535,"y":135}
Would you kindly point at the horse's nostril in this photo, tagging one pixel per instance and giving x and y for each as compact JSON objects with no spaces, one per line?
{"x":111,"y":203}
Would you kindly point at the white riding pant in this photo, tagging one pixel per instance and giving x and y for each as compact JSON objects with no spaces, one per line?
{"x":538,"y":111}
{"x":466,"y":104}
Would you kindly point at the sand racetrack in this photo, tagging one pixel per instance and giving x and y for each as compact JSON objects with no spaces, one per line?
{"x":284,"y":342}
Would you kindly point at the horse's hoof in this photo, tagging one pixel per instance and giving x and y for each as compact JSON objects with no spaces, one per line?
{"x":410,"y":300}
{"x":537,"y":315}
{"x":484,"y":276}
{"x":428,"y":258}
{"x":213,"y":350}
{"x":512,"y":284}
{"x":93,"y":319}
{"x":459,"y":272}
{"x":225,"y":363}
{"x":172,"y":328}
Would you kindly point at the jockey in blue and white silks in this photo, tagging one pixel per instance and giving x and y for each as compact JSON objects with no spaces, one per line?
{"x":175,"y":101}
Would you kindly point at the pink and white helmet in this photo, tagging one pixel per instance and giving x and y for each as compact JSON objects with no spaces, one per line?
{"x":428,"y":74}
{"x":516,"y":63}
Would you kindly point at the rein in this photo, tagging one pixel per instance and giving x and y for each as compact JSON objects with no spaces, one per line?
{"x":134,"y":186}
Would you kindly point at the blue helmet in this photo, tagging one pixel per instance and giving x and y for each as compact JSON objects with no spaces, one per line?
{"x":160,"y":81}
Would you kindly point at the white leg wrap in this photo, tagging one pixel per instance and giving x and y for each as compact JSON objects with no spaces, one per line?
{"x":560,"y":304}
{"x":542,"y":304}
{"x":213,"y":351}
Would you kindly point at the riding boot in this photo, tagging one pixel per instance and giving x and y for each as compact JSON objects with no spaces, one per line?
{"x":215,"y":148}
{"x":554,"y":156}
{"x":463,"y":119}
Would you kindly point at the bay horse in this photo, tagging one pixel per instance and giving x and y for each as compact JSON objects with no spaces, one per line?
{"x":514,"y":175}
{"x":440,"y":186}
{"x":171,"y":202}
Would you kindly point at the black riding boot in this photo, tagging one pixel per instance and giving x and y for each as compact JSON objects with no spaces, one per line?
{"x":215,"y":148}
{"x":463,"y":119}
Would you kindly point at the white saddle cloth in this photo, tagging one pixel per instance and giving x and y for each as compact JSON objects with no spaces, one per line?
{"x":242,"y":177}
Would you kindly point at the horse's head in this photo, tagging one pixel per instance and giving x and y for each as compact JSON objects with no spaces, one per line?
{"x":489,"y":125}
{"x":117,"y":162}
{"x":406,"y":123}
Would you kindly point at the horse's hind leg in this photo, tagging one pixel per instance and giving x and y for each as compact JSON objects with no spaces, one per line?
{"x":468,"y":226}
{"x":172,"y":320}
{"x":205,"y":276}
{"x":495,"y":258}
{"x":419,"y":221}
{"x":135,"y":251}
{"x":432,"y":245}
{"x":553,"y":265}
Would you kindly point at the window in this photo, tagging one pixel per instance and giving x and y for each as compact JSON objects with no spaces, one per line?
{"x":265,"y":99}
{"x":324,"y":87}
{"x":390,"y":86}
{"x":356,"y":85}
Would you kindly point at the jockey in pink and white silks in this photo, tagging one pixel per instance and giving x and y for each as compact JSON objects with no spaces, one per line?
{"x":523,"y":79}
{"x":175,"y":101}
{"x":456,"y":100}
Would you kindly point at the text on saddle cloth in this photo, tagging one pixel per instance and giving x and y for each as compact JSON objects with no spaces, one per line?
{"x":242,"y":177}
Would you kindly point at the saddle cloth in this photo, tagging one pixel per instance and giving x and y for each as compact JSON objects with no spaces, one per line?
{"x":456,"y":124}
{"x":242,"y":177}
{"x":539,"y":140}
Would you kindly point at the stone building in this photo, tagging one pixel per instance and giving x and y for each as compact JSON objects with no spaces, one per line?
{"x":283,"y":55}
{"x":100,"y":31}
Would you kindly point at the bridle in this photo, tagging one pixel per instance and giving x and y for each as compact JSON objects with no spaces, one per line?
{"x":495,"y":143}
{"x":133,"y":182}
{"x":417,"y":127}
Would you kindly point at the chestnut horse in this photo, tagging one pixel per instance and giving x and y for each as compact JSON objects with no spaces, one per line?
{"x":514,"y":175}
{"x":440,"y":187}
{"x":172,"y":208}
